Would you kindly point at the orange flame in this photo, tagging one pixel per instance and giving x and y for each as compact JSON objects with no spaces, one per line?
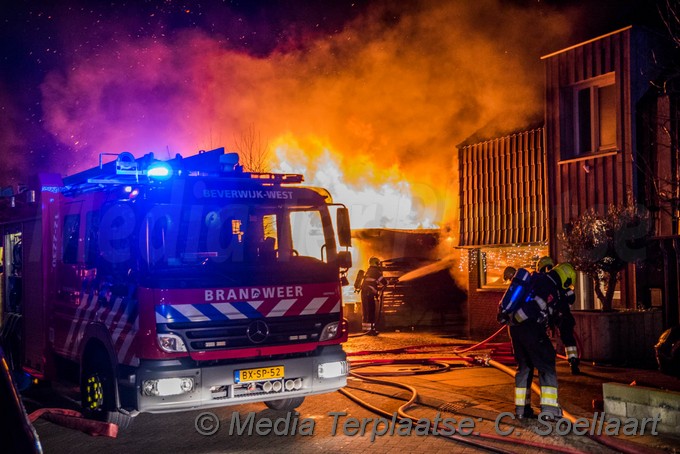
{"x":377,"y":198}
{"x":372,"y":112}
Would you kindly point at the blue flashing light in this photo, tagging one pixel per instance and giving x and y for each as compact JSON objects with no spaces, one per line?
{"x":159,"y":171}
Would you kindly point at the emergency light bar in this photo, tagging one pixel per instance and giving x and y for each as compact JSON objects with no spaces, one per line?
{"x":159,"y":171}
{"x":291,"y":178}
{"x":127,"y":169}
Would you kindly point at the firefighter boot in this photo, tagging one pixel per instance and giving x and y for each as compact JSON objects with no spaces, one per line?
{"x":373,"y":331}
{"x":573,"y":363}
{"x":525,"y":412}
{"x":550,"y":413}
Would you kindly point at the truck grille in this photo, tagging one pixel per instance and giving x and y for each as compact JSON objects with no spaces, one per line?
{"x":215,"y":335}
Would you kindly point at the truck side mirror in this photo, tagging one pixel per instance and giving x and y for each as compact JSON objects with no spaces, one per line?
{"x":344,"y":230}
{"x":344,"y":259}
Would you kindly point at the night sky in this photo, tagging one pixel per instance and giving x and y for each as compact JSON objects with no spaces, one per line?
{"x":53,"y":53}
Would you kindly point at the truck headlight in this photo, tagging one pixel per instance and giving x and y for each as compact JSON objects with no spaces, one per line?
{"x":332,"y":370}
{"x":167,"y":386}
{"x":171,"y":343}
{"x":330,"y":331}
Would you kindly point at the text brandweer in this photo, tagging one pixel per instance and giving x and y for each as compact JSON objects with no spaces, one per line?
{"x":251,"y":293}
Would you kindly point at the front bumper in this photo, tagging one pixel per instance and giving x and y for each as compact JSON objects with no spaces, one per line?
{"x":214,"y":385}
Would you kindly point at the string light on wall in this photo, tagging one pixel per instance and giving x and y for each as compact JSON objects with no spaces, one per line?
{"x":496,"y":259}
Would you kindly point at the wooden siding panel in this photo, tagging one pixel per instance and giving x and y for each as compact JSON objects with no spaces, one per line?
{"x":477,"y":195}
{"x":588,"y":61}
{"x":465,"y":196}
{"x":496,"y":196}
{"x":600,"y":178}
{"x":626,"y":111}
{"x":587,"y":182}
{"x":607,"y":60}
{"x":499,"y":190}
{"x":577,"y":63}
{"x":485,"y":194}
{"x":552,"y":144}
{"x":598,"y":57}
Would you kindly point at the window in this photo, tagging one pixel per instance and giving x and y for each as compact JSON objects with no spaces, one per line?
{"x":91,"y":238}
{"x":71,"y":231}
{"x":308,"y":233}
{"x":591,"y":121}
{"x":176,"y":236}
{"x":497,"y":265}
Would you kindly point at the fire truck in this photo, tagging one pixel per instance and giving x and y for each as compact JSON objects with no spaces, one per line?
{"x":174,"y":285}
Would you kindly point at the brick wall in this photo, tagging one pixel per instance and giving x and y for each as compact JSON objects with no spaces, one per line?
{"x":482,"y":304}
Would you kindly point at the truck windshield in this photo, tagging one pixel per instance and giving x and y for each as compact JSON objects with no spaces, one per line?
{"x":179,"y":235}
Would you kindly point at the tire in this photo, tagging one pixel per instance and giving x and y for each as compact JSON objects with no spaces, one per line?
{"x":285,"y":404}
{"x":98,"y":392}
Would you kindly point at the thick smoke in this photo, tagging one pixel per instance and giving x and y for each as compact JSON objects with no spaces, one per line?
{"x":12,"y":162}
{"x":390,"y":95}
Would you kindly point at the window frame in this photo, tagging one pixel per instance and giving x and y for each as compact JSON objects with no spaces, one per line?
{"x":71,"y":238}
{"x":593,"y":86}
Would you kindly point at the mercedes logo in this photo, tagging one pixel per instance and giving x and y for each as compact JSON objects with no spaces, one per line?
{"x":257,"y":331}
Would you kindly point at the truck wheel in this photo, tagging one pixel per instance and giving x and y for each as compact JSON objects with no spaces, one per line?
{"x":285,"y":404}
{"x":98,"y":397}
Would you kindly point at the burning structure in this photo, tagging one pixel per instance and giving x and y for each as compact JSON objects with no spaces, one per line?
{"x":433,"y":301}
{"x":359,"y":106}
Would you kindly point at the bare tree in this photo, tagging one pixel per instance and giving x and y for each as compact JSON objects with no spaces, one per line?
{"x":253,"y":151}
{"x":602,"y":245}
{"x":658,"y":157}
{"x":669,"y":12}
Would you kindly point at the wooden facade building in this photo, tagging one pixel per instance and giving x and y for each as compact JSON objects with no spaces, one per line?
{"x":609,"y":131}
{"x":600,"y":151}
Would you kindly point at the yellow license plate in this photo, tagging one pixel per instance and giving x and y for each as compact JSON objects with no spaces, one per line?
{"x":261,"y":373}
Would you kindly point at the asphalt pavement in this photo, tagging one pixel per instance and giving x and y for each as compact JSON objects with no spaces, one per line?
{"x":421,"y":375}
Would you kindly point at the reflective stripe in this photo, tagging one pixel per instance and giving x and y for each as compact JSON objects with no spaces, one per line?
{"x":520,"y":316}
{"x":541,"y":302}
{"x":572,"y":352}
{"x":520,"y":397}
{"x":549,"y":396}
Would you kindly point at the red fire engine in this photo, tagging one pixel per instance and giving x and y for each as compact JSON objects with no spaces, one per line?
{"x":175,"y":285}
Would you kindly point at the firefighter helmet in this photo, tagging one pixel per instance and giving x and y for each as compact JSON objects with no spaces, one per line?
{"x":374,"y":261}
{"x":544,"y":264}
{"x":508,"y":273}
{"x":567,"y":274}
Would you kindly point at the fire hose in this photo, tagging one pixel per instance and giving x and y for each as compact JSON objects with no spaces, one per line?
{"x":465,"y":439}
{"x":441,"y":366}
{"x":74,"y":420}
{"x":610,"y":442}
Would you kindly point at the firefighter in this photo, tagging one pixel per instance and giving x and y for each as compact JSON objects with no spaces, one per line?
{"x":373,"y":281}
{"x":531,"y":344}
{"x":563,"y":318}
